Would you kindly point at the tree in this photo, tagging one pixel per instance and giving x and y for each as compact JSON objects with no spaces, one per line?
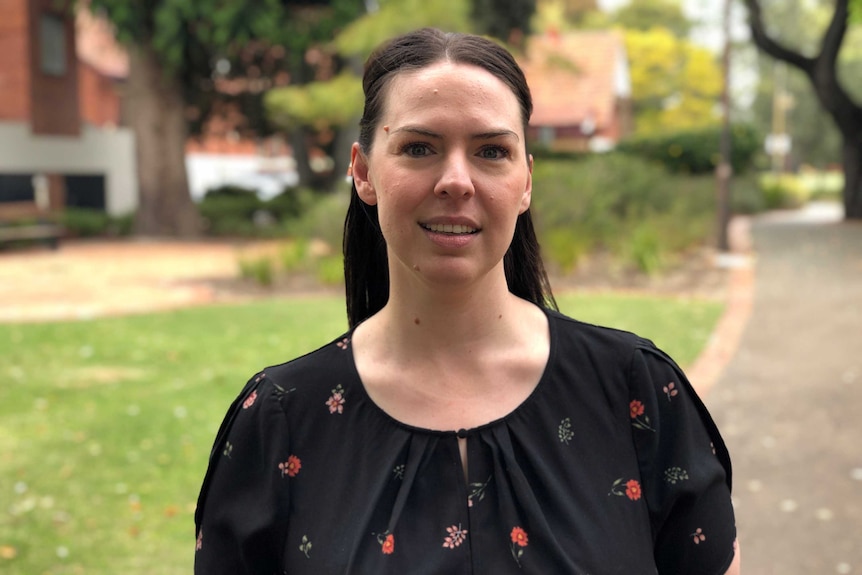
{"x":646,"y":14}
{"x":179,"y":53}
{"x":675,"y":84}
{"x":822,"y":72}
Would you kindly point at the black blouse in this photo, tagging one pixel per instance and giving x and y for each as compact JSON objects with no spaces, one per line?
{"x":611,"y":466}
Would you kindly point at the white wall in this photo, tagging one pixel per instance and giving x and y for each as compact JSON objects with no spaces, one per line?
{"x":110,"y":152}
{"x":268,"y":176}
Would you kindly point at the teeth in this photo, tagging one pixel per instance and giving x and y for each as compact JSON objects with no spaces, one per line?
{"x":450,"y":229}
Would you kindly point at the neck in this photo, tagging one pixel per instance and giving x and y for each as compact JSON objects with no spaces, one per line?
{"x":428,"y":318}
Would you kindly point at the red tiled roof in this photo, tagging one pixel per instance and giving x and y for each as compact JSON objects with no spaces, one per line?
{"x":571,"y":77}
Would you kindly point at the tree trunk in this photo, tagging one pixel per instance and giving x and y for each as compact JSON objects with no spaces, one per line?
{"x":853,"y":179}
{"x":822,"y":72}
{"x":298,"y":138}
{"x":156,"y":114}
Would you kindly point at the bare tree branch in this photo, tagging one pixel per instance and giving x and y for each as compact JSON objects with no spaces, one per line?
{"x":772,"y":47}
{"x":834,"y":36}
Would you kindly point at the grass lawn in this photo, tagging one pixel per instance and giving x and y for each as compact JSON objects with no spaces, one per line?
{"x":105,"y":425}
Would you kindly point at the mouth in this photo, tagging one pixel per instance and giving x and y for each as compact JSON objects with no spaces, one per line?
{"x":451,"y":229}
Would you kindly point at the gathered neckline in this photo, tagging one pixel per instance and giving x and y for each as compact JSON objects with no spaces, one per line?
{"x":463,"y":432}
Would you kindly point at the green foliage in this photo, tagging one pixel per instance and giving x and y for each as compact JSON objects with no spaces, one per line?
{"x":323,"y":220}
{"x":675,"y":83}
{"x":295,"y":255}
{"x":697,"y":151}
{"x":329,"y":270}
{"x":510,"y":22}
{"x":261,"y":269}
{"x":394,"y":17}
{"x":86,"y":223}
{"x":318,"y":105}
{"x":235,"y":211}
{"x":567,"y":246}
{"x":647,"y":14}
{"x":783,"y":191}
{"x":619,"y":204}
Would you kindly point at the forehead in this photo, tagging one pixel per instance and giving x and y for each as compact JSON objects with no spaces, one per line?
{"x":456,"y":88}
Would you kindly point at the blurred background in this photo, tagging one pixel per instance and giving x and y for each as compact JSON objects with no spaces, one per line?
{"x":157,"y":156}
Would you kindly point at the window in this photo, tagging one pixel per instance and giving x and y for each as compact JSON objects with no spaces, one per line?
{"x":52,"y":43}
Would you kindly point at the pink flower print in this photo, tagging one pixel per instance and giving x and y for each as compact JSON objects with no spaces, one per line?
{"x":343,"y":343}
{"x":670,"y":390}
{"x":456,"y":536}
{"x":636,"y":408}
{"x":290,"y":467}
{"x":200,"y":540}
{"x":698,"y":536}
{"x":249,"y":401}
{"x":336,"y":400}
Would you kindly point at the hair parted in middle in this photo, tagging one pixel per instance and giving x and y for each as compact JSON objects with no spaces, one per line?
{"x":366,"y":272}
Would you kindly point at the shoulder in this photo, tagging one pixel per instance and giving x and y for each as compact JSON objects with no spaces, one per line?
{"x":316,"y":367}
{"x":601,"y":346}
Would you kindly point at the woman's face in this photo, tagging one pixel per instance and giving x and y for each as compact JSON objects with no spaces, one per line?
{"x":448,"y":173}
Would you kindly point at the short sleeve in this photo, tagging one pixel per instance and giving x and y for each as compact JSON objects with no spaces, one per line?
{"x":685,"y":468}
{"x":241,"y":515}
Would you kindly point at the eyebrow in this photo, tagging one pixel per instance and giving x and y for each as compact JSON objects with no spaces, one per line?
{"x":431,"y":134}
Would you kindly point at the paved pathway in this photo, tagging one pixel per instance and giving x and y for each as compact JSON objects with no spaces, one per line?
{"x":790,"y":400}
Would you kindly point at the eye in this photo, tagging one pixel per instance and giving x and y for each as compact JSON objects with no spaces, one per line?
{"x":416,"y":149}
{"x":493,"y":153}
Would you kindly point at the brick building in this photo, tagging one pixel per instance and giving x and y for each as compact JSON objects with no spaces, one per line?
{"x":61,"y":143}
{"x":581,"y":89}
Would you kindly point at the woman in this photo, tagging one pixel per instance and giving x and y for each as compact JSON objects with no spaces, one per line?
{"x":462,"y":425}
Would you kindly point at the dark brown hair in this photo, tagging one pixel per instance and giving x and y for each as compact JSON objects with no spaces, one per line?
{"x":366,"y":271}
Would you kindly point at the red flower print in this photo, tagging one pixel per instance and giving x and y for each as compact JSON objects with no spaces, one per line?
{"x":623,"y":488}
{"x":200,"y":541}
{"x":249,"y":401}
{"x":519,"y":537}
{"x":388,"y":545}
{"x":456,"y":536}
{"x":519,"y":541}
{"x":698,"y":536}
{"x":633,"y":490}
{"x":336,"y":400}
{"x":290,"y":467}
{"x":636,"y":412}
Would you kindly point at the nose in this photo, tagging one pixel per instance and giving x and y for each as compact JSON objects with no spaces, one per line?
{"x":456,"y":180}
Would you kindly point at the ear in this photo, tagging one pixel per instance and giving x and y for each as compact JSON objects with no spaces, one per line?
{"x":361,"y":179}
{"x":528,"y":190}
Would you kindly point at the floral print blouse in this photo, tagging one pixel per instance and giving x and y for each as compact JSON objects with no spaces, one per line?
{"x":611,"y":466}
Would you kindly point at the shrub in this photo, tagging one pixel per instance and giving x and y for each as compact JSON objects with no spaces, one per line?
{"x":261,"y":269}
{"x":330,"y":270}
{"x":295,"y":255}
{"x":322,"y":220}
{"x":697,"y":151}
{"x":234,"y":211}
{"x":87,"y":223}
{"x":621,"y":204}
{"x":783,"y":191}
